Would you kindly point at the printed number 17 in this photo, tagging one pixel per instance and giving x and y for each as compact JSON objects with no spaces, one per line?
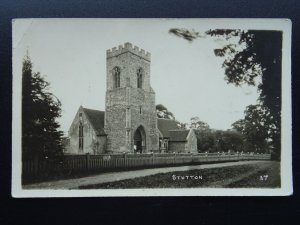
{"x":263,"y":177}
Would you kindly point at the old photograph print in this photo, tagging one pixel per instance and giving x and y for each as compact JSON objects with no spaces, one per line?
{"x":147,"y":107}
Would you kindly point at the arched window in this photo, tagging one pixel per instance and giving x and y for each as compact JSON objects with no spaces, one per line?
{"x":116,"y":77}
{"x":140,"y":78}
{"x":80,"y":137}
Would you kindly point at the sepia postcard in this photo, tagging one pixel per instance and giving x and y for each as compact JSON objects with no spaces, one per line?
{"x":151,"y":107}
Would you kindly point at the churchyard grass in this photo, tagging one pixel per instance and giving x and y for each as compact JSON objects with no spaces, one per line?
{"x":259,"y":175}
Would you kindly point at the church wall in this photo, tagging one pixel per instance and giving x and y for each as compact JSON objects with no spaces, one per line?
{"x":123,"y":104}
{"x":178,"y":147}
{"x":115,"y":118}
{"x":102,"y":142}
{"x":115,"y":123}
{"x":90,"y":138}
{"x":191,"y":145}
{"x":128,"y":58}
{"x":143,"y":113}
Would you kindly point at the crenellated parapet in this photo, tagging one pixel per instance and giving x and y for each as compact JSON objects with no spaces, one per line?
{"x":128,"y":47}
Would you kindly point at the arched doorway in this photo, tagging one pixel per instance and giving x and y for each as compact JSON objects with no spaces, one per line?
{"x":140,"y":140}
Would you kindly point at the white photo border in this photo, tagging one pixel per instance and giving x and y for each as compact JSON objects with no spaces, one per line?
{"x":284,"y":25}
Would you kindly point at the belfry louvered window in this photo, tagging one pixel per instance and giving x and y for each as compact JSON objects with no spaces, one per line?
{"x":140,"y":78}
{"x":116,"y":77}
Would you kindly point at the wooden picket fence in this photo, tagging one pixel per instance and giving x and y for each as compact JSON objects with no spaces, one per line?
{"x":110,"y":162}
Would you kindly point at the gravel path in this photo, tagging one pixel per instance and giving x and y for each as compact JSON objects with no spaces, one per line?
{"x":116,"y":176}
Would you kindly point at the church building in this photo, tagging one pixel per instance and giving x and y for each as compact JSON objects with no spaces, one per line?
{"x":129,"y":123}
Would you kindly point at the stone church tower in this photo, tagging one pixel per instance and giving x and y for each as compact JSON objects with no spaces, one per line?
{"x":130,"y":114}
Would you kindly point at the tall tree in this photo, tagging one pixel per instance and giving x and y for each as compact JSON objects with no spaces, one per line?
{"x":205,"y":140}
{"x":257,"y":54}
{"x":40,"y":108}
{"x":197,"y":124}
{"x":163,"y":112}
{"x":257,"y":126}
{"x":232,"y":140}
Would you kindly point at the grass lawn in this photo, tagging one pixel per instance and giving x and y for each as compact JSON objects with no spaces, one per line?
{"x":258,"y":175}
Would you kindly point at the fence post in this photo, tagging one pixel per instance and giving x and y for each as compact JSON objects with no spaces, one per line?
{"x":87,"y":158}
{"x":35,"y":165}
{"x":152,"y":159}
{"x":125,"y":159}
{"x":174,"y":161}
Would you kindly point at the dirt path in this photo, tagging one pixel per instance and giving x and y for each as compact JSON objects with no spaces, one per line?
{"x":116,"y":176}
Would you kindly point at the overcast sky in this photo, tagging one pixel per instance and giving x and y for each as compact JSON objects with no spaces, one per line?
{"x":187,"y":77}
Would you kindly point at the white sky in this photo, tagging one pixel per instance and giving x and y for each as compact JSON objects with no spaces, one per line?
{"x":187,"y":77}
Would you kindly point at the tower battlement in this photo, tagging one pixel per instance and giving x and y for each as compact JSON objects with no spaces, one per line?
{"x":128,"y":47}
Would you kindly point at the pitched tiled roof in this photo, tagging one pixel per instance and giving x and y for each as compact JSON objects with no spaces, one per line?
{"x":165,"y":125}
{"x":178,"y":135}
{"x":96,"y":118}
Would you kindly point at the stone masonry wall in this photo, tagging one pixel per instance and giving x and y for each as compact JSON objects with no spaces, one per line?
{"x":90,"y":139}
{"x":128,"y":64}
{"x":129,"y":107}
{"x":143,"y":114}
{"x":191,"y":145}
{"x":115,"y":128}
{"x":178,"y":147}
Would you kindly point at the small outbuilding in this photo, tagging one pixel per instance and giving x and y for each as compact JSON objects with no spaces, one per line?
{"x":183,"y":141}
{"x":173,"y":139}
